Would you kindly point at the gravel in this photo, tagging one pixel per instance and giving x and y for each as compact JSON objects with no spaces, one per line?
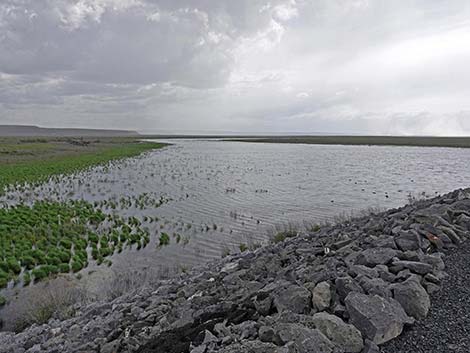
{"x":447,"y":326}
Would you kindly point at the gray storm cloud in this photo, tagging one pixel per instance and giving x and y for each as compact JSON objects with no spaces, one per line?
{"x":345,"y":66}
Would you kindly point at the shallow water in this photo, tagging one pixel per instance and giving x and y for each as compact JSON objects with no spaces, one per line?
{"x":222,"y":194}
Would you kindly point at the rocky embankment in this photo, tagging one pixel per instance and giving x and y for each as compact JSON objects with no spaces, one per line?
{"x":345,"y":288}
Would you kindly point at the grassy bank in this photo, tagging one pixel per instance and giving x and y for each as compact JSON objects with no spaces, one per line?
{"x":34,"y":160}
{"x":463,"y":142}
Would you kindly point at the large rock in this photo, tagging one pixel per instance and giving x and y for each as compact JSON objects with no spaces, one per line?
{"x":345,"y":285}
{"x":361,"y":270}
{"x":246,"y":346}
{"x":305,"y":340}
{"x":345,"y":336}
{"x":412,"y":297}
{"x":379,"y":319}
{"x":321,"y":296}
{"x":375,"y":256}
{"x":414,"y":266}
{"x":407,"y":241}
{"x":294,"y":298}
{"x":375,"y":286}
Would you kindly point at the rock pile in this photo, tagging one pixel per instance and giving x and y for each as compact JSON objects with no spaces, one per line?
{"x":345,"y":288}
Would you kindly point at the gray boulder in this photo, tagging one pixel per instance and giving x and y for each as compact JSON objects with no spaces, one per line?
{"x":321,"y":296}
{"x":361,"y":270}
{"x":294,"y":298}
{"x":345,"y":285}
{"x":370,"y":347}
{"x":435,"y":260}
{"x":375,"y":256}
{"x":407,"y":241}
{"x":266,"y":334}
{"x":379,"y":319}
{"x":304,"y":340}
{"x":246,"y":346}
{"x":451,"y":234}
{"x":412,"y":297}
{"x":420,"y":268}
{"x":375,"y":286}
{"x":345,"y":336}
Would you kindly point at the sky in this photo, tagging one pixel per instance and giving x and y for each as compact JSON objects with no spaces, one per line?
{"x":388,"y":67}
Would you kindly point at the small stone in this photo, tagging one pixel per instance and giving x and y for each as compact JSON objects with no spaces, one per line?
{"x":321,"y":296}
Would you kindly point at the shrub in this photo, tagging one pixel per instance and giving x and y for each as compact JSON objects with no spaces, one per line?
{"x":3,"y":301}
{"x":243,"y":247}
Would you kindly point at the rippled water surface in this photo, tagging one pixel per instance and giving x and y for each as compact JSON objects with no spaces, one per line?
{"x":222,"y":194}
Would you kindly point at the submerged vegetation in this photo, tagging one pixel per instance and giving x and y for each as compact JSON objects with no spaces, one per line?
{"x":29,"y":161}
{"x":60,"y":237}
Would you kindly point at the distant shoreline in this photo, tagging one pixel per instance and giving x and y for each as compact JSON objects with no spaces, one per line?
{"x":12,"y":131}
{"x":413,"y":141}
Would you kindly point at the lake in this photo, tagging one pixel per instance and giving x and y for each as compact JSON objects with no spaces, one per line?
{"x":216,"y":195}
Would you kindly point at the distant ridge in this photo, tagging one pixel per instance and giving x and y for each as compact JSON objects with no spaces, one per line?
{"x":30,"y":130}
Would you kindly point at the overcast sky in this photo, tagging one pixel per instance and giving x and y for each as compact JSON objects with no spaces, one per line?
{"x":338,"y":66}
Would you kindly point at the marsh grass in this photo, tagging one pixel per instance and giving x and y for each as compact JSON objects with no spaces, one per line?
{"x":48,"y":238}
{"x":25,"y":162}
{"x":282,"y":231}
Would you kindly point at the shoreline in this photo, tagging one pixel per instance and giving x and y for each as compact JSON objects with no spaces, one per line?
{"x":347,"y":287}
{"x":405,"y":141}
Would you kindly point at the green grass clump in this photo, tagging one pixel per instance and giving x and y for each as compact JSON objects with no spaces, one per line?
{"x":279,"y":237}
{"x":3,"y":301}
{"x":20,"y":171}
{"x":243,"y":247}
{"x":48,"y":238}
{"x":164,"y":239}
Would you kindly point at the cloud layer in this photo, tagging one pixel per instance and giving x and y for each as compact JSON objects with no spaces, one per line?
{"x":345,"y":66}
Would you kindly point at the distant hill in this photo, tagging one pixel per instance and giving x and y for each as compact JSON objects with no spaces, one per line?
{"x":28,"y":131}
